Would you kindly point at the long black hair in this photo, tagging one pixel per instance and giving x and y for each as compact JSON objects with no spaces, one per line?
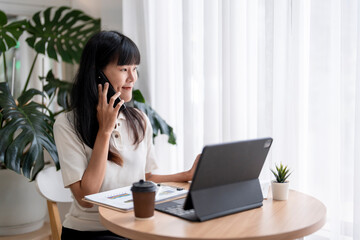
{"x":101,"y":49}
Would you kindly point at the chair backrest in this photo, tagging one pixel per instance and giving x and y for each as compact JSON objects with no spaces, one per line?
{"x":50,"y":185}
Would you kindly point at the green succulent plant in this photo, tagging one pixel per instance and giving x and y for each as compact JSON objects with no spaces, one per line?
{"x":282,"y":173}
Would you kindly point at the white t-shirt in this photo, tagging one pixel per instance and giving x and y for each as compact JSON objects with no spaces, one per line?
{"x":74,"y":157}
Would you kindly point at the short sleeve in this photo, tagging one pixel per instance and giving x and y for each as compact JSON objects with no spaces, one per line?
{"x":71,"y":150}
{"x":151,"y":156}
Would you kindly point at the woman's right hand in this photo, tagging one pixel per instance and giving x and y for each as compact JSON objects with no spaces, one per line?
{"x":106,"y":113}
{"x":94,"y":174}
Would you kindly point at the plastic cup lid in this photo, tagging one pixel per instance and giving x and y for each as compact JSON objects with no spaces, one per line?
{"x":143,"y":186}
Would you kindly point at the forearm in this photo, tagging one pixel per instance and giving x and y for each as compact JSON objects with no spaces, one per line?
{"x":95,"y":172}
{"x":177,"y":177}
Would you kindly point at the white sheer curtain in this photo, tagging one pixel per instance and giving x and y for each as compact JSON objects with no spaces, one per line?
{"x":236,"y":69}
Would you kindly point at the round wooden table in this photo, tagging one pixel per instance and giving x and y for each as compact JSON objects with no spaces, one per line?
{"x":297,"y":217}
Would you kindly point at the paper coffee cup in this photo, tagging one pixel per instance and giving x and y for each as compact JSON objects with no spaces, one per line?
{"x":143,"y":193}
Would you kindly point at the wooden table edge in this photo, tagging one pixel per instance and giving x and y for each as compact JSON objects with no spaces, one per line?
{"x":135,"y":234}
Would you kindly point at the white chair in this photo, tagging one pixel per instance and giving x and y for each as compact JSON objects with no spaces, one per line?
{"x":50,"y":185}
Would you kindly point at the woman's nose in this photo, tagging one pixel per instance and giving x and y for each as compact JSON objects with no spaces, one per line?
{"x":132,"y":76}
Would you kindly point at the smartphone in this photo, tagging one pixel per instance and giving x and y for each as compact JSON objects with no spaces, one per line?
{"x":102,"y":79}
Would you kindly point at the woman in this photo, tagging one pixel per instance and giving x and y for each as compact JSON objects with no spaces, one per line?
{"x":99,"y":148}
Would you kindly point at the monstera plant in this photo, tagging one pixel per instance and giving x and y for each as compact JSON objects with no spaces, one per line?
{"x":26,"y":126}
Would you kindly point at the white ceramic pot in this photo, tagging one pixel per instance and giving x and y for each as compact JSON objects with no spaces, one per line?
{"x":280,"y":191}
{"x":22,"y":209}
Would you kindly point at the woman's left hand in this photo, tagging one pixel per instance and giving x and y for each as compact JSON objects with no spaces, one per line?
{"x":177,"y":177}
{"x":191,"y":172}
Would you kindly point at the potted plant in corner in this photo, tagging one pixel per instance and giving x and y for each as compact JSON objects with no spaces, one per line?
{"x":280,"y":186}
{"x":25,"y":124}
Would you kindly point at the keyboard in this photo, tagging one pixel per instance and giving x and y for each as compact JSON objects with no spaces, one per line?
{"x":175,"y":208}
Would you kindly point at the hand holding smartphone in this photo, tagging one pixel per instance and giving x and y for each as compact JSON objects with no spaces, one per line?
{"x":102,"y":79}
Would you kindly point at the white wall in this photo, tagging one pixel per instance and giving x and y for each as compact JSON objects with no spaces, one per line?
{"x":28,"y":8}
{"x":110,"y":12}
{"x":111,"y":15}
{"x":90,"y":7}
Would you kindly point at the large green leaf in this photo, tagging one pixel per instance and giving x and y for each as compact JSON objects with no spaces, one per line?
{"x":10,"y":33}
{"x":137,"y":96}
{"x":26,"y":130}
{"x":61,"y":32}
{"x":63,"y":89}
{"x":157,"y":123}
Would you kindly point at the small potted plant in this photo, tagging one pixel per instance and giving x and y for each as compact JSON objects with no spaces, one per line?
{"x":280,"y":186}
